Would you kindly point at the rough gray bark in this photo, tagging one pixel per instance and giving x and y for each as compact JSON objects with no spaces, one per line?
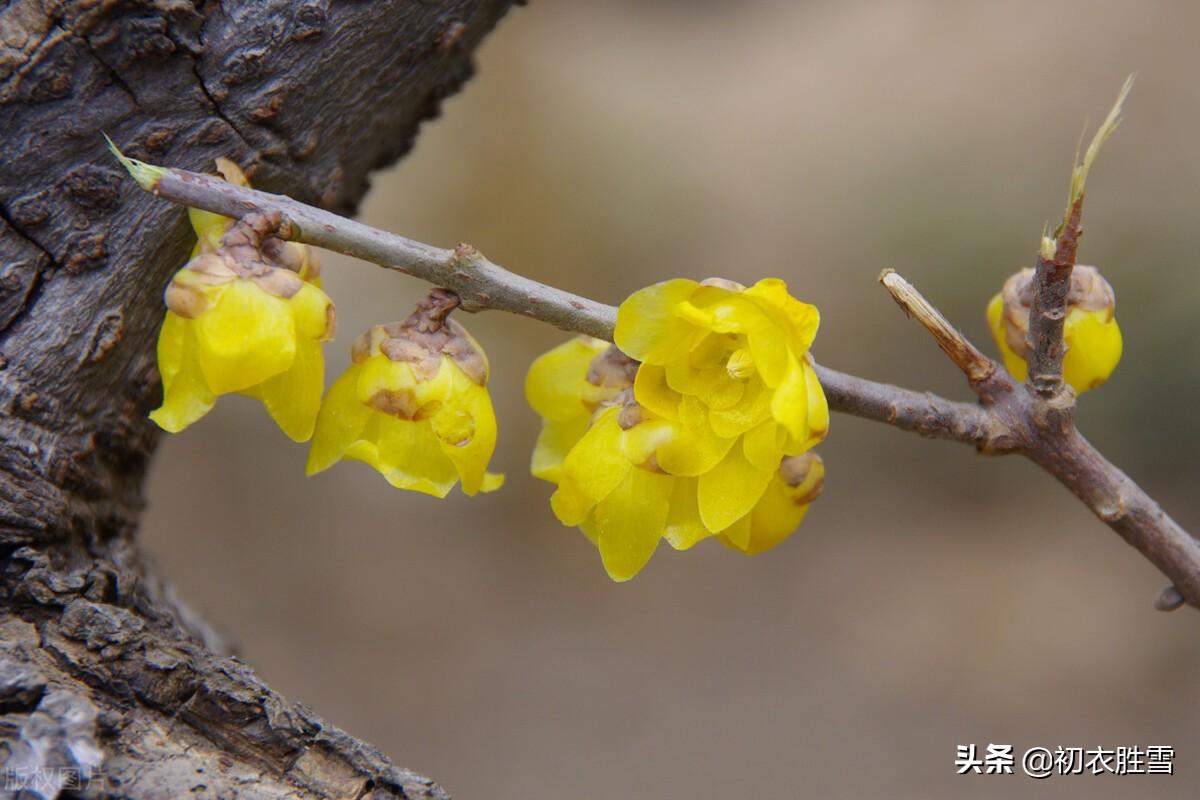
{"x":99,"y":666}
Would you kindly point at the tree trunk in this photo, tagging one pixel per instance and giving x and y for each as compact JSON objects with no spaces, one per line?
{"x":102,"y":673}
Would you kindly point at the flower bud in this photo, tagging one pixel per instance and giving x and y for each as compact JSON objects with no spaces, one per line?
{"x":1091,"y":336}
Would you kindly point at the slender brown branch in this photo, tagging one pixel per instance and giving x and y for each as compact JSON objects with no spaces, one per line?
{"x":975,"y":365}
{"x":1009,"y":419}
{"x":1127,"y":509}
{"x":478,"y":282}
{"x":920,"y":412}
{"x":1051,"y":284}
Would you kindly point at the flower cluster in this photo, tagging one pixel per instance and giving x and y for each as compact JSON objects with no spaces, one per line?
{"x":1090,"y":332}
{"x":247,"y":315}
{"x":699,"y":425}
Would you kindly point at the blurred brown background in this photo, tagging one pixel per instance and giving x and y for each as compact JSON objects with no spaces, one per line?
{"x":932,"y":598}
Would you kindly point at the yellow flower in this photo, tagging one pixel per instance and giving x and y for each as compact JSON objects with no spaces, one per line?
{"x":631,"y":471}
{"x":728,"y":369}
{"x":1090,"y":331}
{"x":414,"y":405}
{"x":242,"y":326}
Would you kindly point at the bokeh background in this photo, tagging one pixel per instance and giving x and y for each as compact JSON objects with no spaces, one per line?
{"x":932,"y":598}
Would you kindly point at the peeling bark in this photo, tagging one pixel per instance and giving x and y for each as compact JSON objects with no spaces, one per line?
{"x":100,"y":668}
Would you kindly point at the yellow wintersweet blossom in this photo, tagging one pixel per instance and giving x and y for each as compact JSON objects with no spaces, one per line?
{"x":236,"y":323}
{"x":634,"y":448}
{"x":414,"y":405}
{"x":1090,"y":332}
{"x":727,"y":369}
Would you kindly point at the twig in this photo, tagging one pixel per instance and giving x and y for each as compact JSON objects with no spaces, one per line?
{"x":1052,"y":275}
{"x":974,"y":364}
{"x":478,"y":282}
{"x":1008,"y":419}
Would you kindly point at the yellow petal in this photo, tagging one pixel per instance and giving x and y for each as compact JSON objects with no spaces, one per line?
{"x":554,"y":381}
{"x":647,"y":326}
{"x":818,"y":404}
{"x":1093,"y":348}
{"x":340,"y":422}
{"x":408,"y":455}
{"x":293,"y":397}
{"x":651,"y":390}
{"x":553,"y":443}
{"x":684,"y":526}
{"x":752,"y":409}
{"x":779,"y":513}
{"x":379,"y":373}
{"x":1015,"y":365}
{"x":465,"y":426}
{"x":630,"y":520}
{"x":245,"y":338}
{"x":803,"y":319}
{"x":763,"y":445}
{"x":186,"y":395}
{"x":728,"y":491}
{"x":210,"y":229}
{"x":313,"y":311}
{"x":171,"y":338}
{"x":789,"y":404}
{"x":694,"y":448}
{"x":594,"y":468}
{"x":641,"y":442}
{"x":738,"y":534}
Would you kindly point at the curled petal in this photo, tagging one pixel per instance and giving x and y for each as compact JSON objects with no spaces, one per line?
{"x":553,"y":383}
{"x":466,"y":429}
{"x":648,"y":327}
{"x":801,"y":318}
{"x":789,"y":404}
{"x":651,"y":390}
{"x":313,"y":312}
